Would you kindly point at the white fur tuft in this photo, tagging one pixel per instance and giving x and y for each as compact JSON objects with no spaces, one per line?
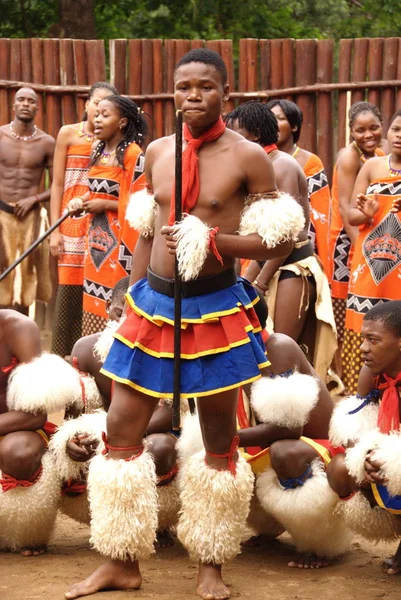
{"x":388,"y":452}
{"x":141,"y":212}
{"x":27,"y":515}
{"x":76,"y":507}
{"x":374,"y":524}
{"x":123,"y":505}
{"x":285,"y":401}
{"x":93,"y":400}
{"x":260,"y":522}
{"x":355,"y":456}
{"x":215,"y":505}
{"x":275,"y":220}
{"x":93,"y":425}
{"x":105,"y":339}
{"x":307,"y":512}
{"x":190,"y":441}
{"x":169,"y":504}
{"x":346,"y":428}
{"x":192,"y":237}
{"x":47,"y":384}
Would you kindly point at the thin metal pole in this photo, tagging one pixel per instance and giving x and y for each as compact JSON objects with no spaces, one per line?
{"x":177,"y":278}
{"x":34,"y":245}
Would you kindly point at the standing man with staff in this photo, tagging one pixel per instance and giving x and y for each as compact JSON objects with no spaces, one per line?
{"x":25,"y":152}
{"x":228,"y":187}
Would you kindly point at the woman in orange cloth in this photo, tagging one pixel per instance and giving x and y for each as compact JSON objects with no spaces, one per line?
{"x":71,"y":164}
{"x":376,"y":264}
{"x":121,"y":129}
{"x":365,"y":125}
{"x":289,"y":117}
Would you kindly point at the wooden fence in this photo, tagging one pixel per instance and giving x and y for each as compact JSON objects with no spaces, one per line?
{"x":323,"y":77}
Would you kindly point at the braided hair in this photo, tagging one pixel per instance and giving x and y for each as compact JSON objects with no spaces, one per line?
{"x":258,"y":119}
{"x":99,"y":85}
{"x":134,"y":131}
{"x":361,"y":107}
{"x":293,"y":114}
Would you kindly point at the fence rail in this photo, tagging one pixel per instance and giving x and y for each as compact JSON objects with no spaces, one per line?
{"x":62,"y":70}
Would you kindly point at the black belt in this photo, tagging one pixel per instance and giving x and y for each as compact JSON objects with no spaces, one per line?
{"x":196,"y":287}
{"x":8,"y":208}
{"x":299,"y":254}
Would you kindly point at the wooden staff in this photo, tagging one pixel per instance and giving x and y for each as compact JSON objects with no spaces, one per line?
{"x":34,"y":245}
{"x":177,"y":278}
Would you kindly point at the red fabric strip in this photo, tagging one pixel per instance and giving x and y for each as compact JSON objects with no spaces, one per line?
{"x":138,"y":449}
{"x":7,"y":482}
{"x":190,"y":167}
{"x":212,"y":243}
{"x":168,"y":476}
{"x":270,"y":148}
{"x":231,"y":464}
{"x":14,"y":362}
{"x":389,"y":411}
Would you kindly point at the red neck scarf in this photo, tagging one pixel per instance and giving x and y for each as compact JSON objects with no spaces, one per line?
{"x":190,"y":167}
{"x":389,"y":411}
{"x":14,"y":362}
{"x":270,"y":148}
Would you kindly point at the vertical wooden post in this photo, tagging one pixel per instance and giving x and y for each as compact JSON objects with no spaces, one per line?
{"x":325,"y":51}
{"x":375,"y":68}
{"x":68,"y":101}
{"x":390,"y":53}
{"x":344,"y":75}
{"x":305,"y":74}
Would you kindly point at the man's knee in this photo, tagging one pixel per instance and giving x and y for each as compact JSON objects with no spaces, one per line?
{"x":289,"y":458}
{"x":21,"y":454}
{"x":163,"y":449}
{"x":338,"y":477}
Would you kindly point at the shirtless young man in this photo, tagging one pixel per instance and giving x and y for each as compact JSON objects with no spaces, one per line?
{"x":140,"y":360}
{"x":367,"y":477}
{"x":296,"y":281}
{"x":31,"y":385}
{"x":25,"y":152}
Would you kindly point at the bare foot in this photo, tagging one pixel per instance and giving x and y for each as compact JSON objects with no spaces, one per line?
{"x":113,"y":575}
{"x":164,"y":539}
{"x":392,"y":566}
{"x":33,"y":551}
{"x":309,"y":561}
{"x":210,"y":583}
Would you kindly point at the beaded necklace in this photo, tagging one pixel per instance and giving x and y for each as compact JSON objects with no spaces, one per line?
{"x":105,"y":156}
{"x":89,"y":137}
{"x":24,"y":138}
{"x":393,"y":172}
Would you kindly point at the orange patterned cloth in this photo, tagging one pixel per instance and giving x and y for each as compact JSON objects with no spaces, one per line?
{"x":319,"y":199}
{"x":74,"y":229}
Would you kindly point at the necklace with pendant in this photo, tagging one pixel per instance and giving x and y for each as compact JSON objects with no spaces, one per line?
{"x":393,"y":172}
{"x":105,"y":157}
{"x":24,"y":138}
{"x":89,"y":137}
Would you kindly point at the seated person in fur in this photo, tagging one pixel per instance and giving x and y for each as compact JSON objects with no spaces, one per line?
{"x":77,"y":440}
{"x":367,"y":478}
{"x":284,"y":437}
{"x":32,"y":385}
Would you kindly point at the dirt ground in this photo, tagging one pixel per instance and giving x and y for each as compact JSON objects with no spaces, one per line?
{"x":257,"y":574}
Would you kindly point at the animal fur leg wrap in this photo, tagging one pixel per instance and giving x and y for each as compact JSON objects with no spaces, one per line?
{"x":374,"y":524}
{"x":215,"y":505}
{"x":123,"y":505}
{"x":47,"y":384}
{"x":355,"y":456}
{"x":285,"y":401}
{"x":27,"y":515}
{"x":106,"y":338}
{"x":346,"y":427}
{"x":141,"y":213}
{"x":193,"y":236}
{"x":276,"y":220}
{"x":190,"y":441}
{"x":76,"y":507}
{"x":168,"y":503}
{"x":307,"y":512}
{"x":92,"y":425}
{"x":388,"y":452}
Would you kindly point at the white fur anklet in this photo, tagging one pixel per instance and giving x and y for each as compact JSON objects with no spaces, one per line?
{"x":285,"y":401}
{"x":76,"y":507}
{"x":374,"y":524}
{"x":355,"y":456}
{"x":123,"y":505}
{"x":349,"y":421}
{"x":307,"y":512}
{"x":215,"y":505}
{"x":276,"y":220}
{"x":141,"y":213}
{"x":388,"y":452}
{"x":168,"y":504}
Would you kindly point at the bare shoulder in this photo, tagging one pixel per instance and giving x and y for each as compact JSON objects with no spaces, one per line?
{"x":160,"y":145}
{"x":243,"y":148}
{"x":349,"y":158}
{"x":66,"y":132}
{"x":83,"y":351}
{"x":285,"y":354}
{"x":287,"y":161}
{"x":19,"y":327}
{"x":366,"y":381}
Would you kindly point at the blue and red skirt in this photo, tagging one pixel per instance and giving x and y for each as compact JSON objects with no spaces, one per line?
{"x":221,"y":343}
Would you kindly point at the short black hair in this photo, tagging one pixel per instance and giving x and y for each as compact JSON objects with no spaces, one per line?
{"x":207,"y":57}
{"x":389,"y":313}
{"x":120,"y":288}
{"x":361,"y":107}
{"x":395,"y":115}
{"x":257,"y":119}
{"x":293,"y":113}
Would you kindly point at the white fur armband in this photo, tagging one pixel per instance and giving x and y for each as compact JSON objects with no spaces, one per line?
{"x":346,"y":427}
{"x":285,"y":401}
{"x":47,"y":384}
{"x":355,"y":456}
{"x":192,"y":237}
{"x":141,"y":212}
{"x":105,"y":339}
{"x":92,"y":425}
{"x":276,"y":220}
{"x":388,"y":452}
